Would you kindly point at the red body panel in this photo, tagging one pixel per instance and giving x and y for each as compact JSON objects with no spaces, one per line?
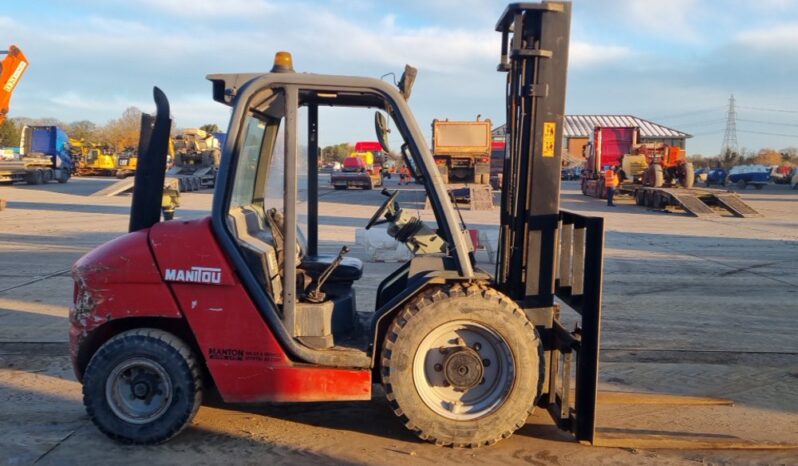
{"x":118,"y":279}
{"x":364,"y":146}
{"x":244,"y":358}
{"x":141,"y":274}
{"x":610,"y":144}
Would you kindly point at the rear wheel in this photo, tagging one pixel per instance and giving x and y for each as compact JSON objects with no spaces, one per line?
{"x":35,"y":177}
{"x":658,"y":176}
{"x":741,"y":184}
{"x":688,"y":180}
{"x":142,"y":386}
{"x":462,"y":367}
{"x":339,"y":188}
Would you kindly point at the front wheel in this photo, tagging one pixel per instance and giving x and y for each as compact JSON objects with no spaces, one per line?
{"x":142,"y":386}
{"x":462,"y":367}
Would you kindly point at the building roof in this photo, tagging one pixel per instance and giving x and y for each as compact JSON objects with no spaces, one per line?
{"x":580,"y":126}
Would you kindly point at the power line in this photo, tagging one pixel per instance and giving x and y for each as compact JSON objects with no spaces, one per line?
{"x":763,"y":109}
{"x":768,"y":122}
{"x":702,"y":123}
{"x":769,"y":134}
{"x":693,"y":112}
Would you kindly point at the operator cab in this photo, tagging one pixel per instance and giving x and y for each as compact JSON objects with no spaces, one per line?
{"x":261,"y":175}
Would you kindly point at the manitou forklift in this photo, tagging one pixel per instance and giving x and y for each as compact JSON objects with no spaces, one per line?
{"x":241,"y":301}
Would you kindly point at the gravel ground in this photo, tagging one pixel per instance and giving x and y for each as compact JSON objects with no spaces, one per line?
{"x":691,"y":306}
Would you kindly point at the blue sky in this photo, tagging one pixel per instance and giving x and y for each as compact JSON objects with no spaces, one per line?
{"x":675,"y":61}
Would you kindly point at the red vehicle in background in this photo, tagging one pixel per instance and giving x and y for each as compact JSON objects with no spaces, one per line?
{"x":362,"y":169}
{"x":606,"y":148}
{"x":497,"y":155}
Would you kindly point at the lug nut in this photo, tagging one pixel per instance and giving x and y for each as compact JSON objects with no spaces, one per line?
{"x":438,"y":367}
{"x":477,"y":347}
{"x":445,"y":383}
{"x":486,"y":362}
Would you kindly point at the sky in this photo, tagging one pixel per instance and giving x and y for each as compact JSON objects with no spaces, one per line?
{"x":675,"y":62}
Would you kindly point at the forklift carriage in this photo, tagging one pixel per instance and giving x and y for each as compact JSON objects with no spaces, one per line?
{"x":243,"y":301}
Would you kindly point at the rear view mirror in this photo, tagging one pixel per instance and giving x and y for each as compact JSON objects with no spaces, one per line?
{"x":381,"y":127}
{"x":406,"y":82}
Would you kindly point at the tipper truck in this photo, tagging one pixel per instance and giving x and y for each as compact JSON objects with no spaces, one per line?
{"x":44,"y":156}
{"x":462,"y":150}
{"x":605,"y":149}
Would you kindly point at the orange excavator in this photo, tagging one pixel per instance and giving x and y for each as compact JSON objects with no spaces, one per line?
{"x":12,"y":68}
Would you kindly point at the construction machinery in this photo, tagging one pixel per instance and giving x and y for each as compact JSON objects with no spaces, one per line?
{"x":462,"y":150}
{"x":44,"y":156}
{"x":95,"y":160}
{"x":12,"y":68}
{"x":657,"y":165}
{"x":196,"y":160}
{"x":126,"y":163}
{"x":362,"y":169}
{"x":604,"y":150}
{"x":241,"y":301}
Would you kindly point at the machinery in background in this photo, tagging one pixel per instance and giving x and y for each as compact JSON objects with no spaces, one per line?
{"x":12,"y":68}
{"x":362,"y":169}
{"x":92,"y":159}
{"x":657,"y":165}
{"x":44,"y":156}
{"x":126,"y":163}
{"x":462,"y":150}
{"x":604,"y":150}
{"x":197,"y":155}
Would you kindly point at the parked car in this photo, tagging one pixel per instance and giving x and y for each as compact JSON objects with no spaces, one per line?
{"x":701,"y":175}
{"x":716,"y":176}
{"x":756,"y":175}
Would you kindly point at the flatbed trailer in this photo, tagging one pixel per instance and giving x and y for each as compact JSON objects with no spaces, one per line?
{"x":189,"y":178}
{"x":698,"y":202}
{"x":32,"y":170}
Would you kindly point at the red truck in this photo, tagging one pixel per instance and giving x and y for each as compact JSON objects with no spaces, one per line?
{"x":605,"y":149}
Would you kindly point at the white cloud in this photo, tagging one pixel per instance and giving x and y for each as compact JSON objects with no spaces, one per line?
{"x":210,"y":8}
{"x":778,"y":36}
{"x":585,"y":54}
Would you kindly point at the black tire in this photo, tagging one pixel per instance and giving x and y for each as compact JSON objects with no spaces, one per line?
{"x":63,"y":177}
{"x":339,"y":188}
{"x":759,"y":186}
{"x":436,"y":309}
{"x":35,"y":177}
{"x":143,"y":346}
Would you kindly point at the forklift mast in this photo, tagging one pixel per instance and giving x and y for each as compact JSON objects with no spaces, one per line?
{"x":547,"y":259}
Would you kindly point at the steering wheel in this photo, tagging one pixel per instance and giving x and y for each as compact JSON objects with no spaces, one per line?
{"x":375,"y":219}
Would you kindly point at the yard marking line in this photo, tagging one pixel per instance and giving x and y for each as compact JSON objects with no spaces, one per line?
{"x":30,"y":282}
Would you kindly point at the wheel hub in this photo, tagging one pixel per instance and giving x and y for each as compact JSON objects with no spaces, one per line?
{"x":463,"y":368}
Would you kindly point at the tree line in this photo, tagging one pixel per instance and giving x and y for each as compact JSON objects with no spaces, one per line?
{"x":117,"y":135}
{"x":766,"y":156}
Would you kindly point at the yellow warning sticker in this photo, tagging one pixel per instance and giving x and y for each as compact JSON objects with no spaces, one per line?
{"x":549,"y":136}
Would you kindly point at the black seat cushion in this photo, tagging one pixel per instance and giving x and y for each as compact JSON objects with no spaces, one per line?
{"x":349,"y":270}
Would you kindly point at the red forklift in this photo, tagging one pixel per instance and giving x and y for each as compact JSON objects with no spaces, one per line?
{"x":242,"y":302}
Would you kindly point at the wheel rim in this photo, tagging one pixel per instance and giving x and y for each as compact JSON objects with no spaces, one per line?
{"x":138,"y":390}
{"x":463,"y":370}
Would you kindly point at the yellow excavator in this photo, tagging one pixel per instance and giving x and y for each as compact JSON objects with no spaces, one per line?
{"x":92,"y":159}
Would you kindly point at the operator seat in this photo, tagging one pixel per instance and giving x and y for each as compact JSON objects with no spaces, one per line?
{"x":348,"y":271}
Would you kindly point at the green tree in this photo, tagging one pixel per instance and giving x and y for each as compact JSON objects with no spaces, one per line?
{"x":124,"y":131}
{"x":82,"y":130}
{"x":336,"y":152}
{"x":9,"y":134}
{"x":210,"y":128}
{"x":729,"y":158}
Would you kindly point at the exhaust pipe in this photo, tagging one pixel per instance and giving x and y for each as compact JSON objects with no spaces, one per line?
{"x":145,"y":210}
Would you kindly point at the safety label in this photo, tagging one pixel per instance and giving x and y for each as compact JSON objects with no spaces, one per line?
{"x":549,"y":136}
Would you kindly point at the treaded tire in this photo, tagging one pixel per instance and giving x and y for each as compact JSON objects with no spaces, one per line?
{"x":179,"y":363}
{"x":480,"y":305}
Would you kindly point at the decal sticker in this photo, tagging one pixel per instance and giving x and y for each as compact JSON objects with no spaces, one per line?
{"x":210,"y":275}
{"x":236,"y":354}
{"x":549,"y":135}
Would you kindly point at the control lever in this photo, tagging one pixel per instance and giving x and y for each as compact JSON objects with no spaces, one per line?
{"x":316,"y":295}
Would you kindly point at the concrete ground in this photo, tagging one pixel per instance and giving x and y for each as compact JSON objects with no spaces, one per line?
{"x":691,"y":306}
